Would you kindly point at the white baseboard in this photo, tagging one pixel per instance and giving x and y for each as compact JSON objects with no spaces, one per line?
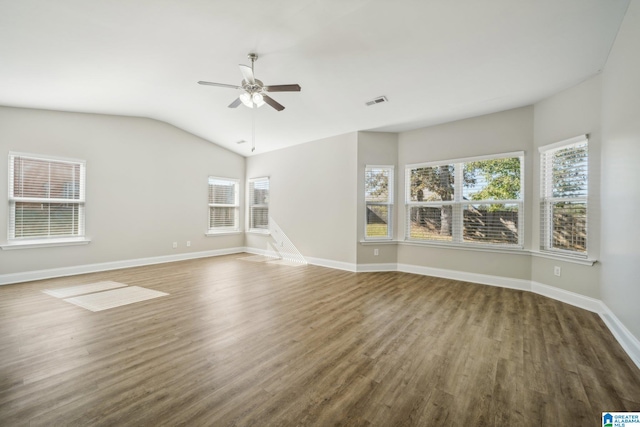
{"x":263,"y":252}
{"x":629,"y":343}
{"x":27,"y":276}
{"x":364,"y":268}
{"x":484,"y":279}
{"x":338,"y":265}
{"x":322,"y":262}
{"x":581,"y":301}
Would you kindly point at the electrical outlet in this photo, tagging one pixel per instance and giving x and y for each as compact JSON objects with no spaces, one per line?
{"x":188,"y":243}
{"x":376,"y":252}
{"x":175,"y":245}
{"x":557,"y":270}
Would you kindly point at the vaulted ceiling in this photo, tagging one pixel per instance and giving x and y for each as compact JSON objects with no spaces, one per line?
{"x":435,"y":60}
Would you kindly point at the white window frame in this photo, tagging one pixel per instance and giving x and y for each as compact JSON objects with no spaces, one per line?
{"x":388,"y":203}
{"x":251,"y":206}
{"x":14,"y":242}
{"x":457,"y":238}
{"x":547,"y":200}
{"x":221,"y":229}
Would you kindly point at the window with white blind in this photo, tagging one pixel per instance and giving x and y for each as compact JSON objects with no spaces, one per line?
{"x":258,"y":209}
{"x":564,"y":185}
{"x":46,"y":198}
{"x":476,"y":201}
{"x":224,"y":205}
{"x":378,"y":196}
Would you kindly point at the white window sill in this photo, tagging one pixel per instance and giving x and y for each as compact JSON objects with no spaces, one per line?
{"x":517,"y":250}
{"x":222,"y":233}
{"x":502,"y":249}
{"x":379,"y":242}
{"x":28,"y":244}
{"x":565,"y":258}
{"x":259,"y":231}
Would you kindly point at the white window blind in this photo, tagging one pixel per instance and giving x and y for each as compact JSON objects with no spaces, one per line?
{"x":258,"y":204}
{"x":476,"y":201}
{"x":46,"y":197}
{"x":224,"y":205}
{"x":378,"y":195}
{"x":564,"y":186}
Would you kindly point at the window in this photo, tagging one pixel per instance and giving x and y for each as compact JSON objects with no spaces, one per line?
{"x":477,"y":201}
{"x":563,"y":197}
{"x":224,"y":205}
{"x":378,"y":196}
{"x":259,"y":204}
{"x":46,"y":198}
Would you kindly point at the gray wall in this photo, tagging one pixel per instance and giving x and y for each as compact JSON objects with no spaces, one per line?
{"x":491,"y":134}
{"x":570,"y":113}
{"x":620,"y":185}
{"x":381,"y":149}
{"x":146,"y":185}
{"x":313,"y":193}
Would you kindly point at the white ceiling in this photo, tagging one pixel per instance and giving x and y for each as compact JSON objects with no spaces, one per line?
{"x":435,"y":60}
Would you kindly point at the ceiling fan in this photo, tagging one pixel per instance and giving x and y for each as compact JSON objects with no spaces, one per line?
{"x":255,"y":92}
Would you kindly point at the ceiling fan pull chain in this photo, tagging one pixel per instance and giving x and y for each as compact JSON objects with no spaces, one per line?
{"x":253,"y":129}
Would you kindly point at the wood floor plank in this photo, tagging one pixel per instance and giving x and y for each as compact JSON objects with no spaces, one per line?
{"x":508,"y":394}
{"x":603,"y":392}
{"x":540,"y":409}
{"x":247,"y":343}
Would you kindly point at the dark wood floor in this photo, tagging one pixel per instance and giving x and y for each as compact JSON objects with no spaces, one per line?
{"x":247,"y":343}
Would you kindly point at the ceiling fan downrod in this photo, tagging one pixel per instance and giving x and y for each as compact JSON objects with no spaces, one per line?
{"x":253,"y":57}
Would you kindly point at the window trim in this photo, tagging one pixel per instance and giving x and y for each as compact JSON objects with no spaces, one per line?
{"x":45,"y":244}
{"x":457,"y":239}
{"x":389,"y":203}
{"x":545,"y":244}
{"x":217,"y":231}
{"x":42,"y":241}
{"x":250,"y":205}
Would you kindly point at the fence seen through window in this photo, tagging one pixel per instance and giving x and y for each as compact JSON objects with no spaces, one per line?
{"x":474,"y":201}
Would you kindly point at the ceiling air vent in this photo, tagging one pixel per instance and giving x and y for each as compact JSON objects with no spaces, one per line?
{"x":377,"y":100}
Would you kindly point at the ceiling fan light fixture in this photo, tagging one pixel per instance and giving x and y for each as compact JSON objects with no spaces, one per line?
{"x":258,"y":99}
{"x":246,"y":99}
{"x":251,"y":99}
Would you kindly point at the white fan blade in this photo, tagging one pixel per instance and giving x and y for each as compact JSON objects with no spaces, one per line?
{"x":219,"y":85}
{"x":247,"y":73}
